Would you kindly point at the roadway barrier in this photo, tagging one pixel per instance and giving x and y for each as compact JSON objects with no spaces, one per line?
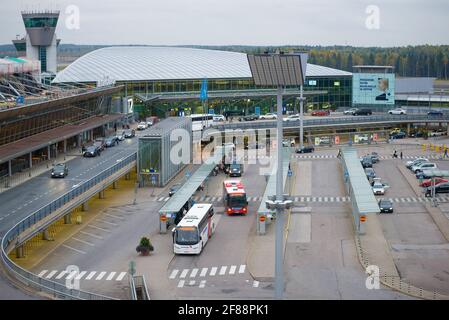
{"x":9,"y":241}
{"x":138,"y":287}
{"x":340,"y":121}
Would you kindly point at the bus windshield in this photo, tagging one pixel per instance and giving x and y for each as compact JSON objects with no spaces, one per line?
{"x":187,"y":236}
{"x":237,"y":200}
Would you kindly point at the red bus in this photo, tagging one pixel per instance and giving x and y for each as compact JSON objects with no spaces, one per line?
{"x":234,"y":197}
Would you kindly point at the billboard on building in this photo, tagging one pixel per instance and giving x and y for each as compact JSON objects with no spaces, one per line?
{"x":373,"y":88}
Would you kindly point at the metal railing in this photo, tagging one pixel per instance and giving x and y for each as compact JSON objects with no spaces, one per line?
{"x":59,"y":290}
{"x":349,"y":120}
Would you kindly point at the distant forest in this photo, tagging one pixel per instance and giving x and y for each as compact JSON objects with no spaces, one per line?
{"x":411,"y":61}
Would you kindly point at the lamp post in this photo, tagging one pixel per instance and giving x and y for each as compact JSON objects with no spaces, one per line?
{"x":278,"y":70}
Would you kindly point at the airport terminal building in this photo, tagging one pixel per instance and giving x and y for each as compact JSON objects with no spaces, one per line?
{"x":167,"y":80}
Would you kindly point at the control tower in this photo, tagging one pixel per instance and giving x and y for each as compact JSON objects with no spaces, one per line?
{"x":40,"y":39}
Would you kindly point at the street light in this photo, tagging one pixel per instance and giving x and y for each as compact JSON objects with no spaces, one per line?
{"x":278,"y":70}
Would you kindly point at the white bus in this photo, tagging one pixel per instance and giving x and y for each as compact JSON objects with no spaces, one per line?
{"x":201,"y":121}
{"x":194,"y":230}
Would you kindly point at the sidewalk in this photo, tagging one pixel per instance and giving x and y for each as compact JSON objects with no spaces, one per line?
{"x":17,"y":179}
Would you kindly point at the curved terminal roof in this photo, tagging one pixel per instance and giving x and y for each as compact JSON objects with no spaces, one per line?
{"x":165,"y":63}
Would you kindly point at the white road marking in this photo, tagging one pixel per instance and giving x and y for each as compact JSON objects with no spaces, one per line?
{"x":121,"y":276}
{"x":166,"y":199}
{"x":193,"y":273}
{"x":181,"y":283}
{"x":51,"y":274}
{"x":101,"y":275}
{"x":113,"y":216}
{"x":71,"y":248}
{"x":111,"y":275}
{"x":95,"y":227}
{"x":82,"y":241}
{"x":202,"y":283}
{"x":71,"y":275}
{"x":223,"y":270}
{"x":160,"y":199}
{"x":107,"y":222}
{"x":90,"y":276}
{"x":80,"y":275}
{"x":232,"y":269}
{"x":173,"y":274}
{"x":41,"y":274}
{"x":203,"y":272}
{"x":61,"y":274}
{"x":192,"y":283}
{"x":255,"y":284}
{"x":213,"y":271}
{"x":184,"y":273}
{"x":91,"y":235}
{"x":242,"y":268}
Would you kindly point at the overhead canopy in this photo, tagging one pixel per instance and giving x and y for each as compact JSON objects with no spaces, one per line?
{"x":363,"y":197}
{"x":436,"y":173}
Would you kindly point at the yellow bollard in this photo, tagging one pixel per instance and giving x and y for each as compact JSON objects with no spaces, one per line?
{"x":78,"y":219}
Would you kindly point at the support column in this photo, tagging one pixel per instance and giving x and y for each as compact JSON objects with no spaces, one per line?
{"x":68,"y":218}
{"x":19,"y":252}
{"x":85,"y":206}
{"x":46,"y":235}
{"x":301,"y":120}
{"x":408,"y":129}
{"x":115,"y":185}
{"x":101,"y":195}
{"x":128,"y":176}
{"x":9,"y":168}
{"x":31,"y":159}
{"x":447,"y":126}
{"x":65,"y":146}
{"x":48,"y":153}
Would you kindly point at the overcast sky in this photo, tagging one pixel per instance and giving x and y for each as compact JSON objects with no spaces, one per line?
{"x":244,"y":22}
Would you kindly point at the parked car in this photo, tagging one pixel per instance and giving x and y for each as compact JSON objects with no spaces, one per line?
{"x":374,"y":157}
{"x":367,"y":162}
{"x":305,"y":149}
{"x":370,"y":173}
{"x":399,"y":135}
{"x":174,"y":188}
{"x":437,"y":133}
{"x":363,"y":138}
{"x":130,"y":133}
{"x":441,"y":188}
{"x":363,"y":112}
{"x":385,"y":206}
{"x":425,"y":174}
{"x":397,"y":111}
{"x":142,"y":126}
{"x":417,"y":134}
{"x":325,"y":140}
{"x":92,"y":151}
{"x":151,"y":121}
{"x":379,"y":188}
{"x":428,"y":182}
{"x":350,"y":111}
{"x":288,"y":143}
{"x":250,"y":117}
{"x":218,"y":118}
{"x":110,"y":141}
{"x":100,"y":143}
{"x":410,"y":164}
{"x":435,"y":113}
{"x":293,"y":117}
{"x":424,"y":165}
{"x":59,"y":171}
{"x":268,"y":116}
{"x":321,"y":113}
{"x":120,"y":135}
{"x":395,"y":130}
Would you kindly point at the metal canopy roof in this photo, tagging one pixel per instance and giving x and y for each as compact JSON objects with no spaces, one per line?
{"x":185,"y":192}
{"x":363,"y":196}
{"x":270,"y":189}
{"x":165,"y":63}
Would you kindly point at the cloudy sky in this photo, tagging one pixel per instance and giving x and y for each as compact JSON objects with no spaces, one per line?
{"x":244,"y":22}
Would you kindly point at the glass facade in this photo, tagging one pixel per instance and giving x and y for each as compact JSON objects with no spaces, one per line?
{"x":43,"y":58}
{"x":40,"y":22}
{"x":339,"y":95}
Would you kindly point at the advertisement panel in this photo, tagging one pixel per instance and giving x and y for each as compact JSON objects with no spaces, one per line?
{"x":373,"y":88}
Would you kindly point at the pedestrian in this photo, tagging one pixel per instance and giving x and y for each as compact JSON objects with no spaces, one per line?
{"x":445,"y":153}
{"x":395,"y":154}
{"x":401,"y":155}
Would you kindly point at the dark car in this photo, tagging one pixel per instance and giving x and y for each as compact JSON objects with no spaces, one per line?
{"x":235,"y":170}
{"x":92,"y":151}
{"x":417,"y":134}
{"x":100,"y":143}
{"x":59,"y":171}
{"x":441,"y":188}
{"x":385,"y":206}
{"x":110,"y":141}
{"x":423,"y":175}
{"x":250,"y":117}
{"x":398,"y":135}
{"x":370,"y":173}
{"x":130,"y":133}
{"x":435,"y":113}
{"x":363,"y":112}
{"x":305,"y":149}
{"x":173,"y":189}
{"x":367,"y":162}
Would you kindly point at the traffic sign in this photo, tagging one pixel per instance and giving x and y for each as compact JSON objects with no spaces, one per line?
{"x":257,"y":110}
{"x":362,"y":218}
{"x":337,"y":139}
{"x":211,"y":111}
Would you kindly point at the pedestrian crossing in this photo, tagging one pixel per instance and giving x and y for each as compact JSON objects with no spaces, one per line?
{"x":87,"y":275}
{"x":313,"y":199}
